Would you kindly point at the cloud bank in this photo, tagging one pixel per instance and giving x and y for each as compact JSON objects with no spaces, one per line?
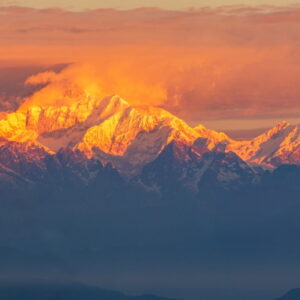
{"x":207,"y":64}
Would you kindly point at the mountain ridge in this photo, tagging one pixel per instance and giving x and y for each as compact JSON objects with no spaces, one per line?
{"x":114,"y":132}
{"x":291,"y":295}
{"x":73,"y":290}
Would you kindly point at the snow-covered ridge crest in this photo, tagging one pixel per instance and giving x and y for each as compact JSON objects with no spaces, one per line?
{"x":89,"y":111}
{"x":279,"y":145}
{"x":112,"y":130}
{"x":109,"y":126}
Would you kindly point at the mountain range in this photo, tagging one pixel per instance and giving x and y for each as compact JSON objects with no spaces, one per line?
{"x":101,"y":186}
{"x":144,"y":145}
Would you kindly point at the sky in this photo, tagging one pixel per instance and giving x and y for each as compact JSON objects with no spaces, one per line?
{"x":230,"y":68}
{"x":129,"y":4}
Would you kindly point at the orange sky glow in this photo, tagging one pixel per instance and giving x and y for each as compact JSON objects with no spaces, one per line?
{"x":227,"y":67}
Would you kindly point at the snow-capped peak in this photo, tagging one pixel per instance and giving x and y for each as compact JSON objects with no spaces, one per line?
{"x":113,"y":130}
{"x":282,"y":139}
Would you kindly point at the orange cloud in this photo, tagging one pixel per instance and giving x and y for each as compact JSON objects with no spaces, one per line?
{"x":203,"y":64}
{"x":41,"y":78}
{"x":96,"y":80}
